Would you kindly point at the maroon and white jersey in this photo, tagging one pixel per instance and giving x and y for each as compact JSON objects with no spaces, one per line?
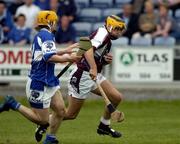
{"x":101,"y":43}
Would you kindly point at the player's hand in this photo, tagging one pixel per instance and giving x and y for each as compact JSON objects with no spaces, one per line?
{"x":70,"y":49}
{"x":108,"y":58}
{"x":93,"y":73}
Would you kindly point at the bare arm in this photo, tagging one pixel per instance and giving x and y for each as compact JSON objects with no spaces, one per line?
{"x":68,"y":49}
{"x":89,"y":55}
{"x":174,"y":2}
{"x":158,"y":31}
{"x":63,"y":58}
{"x":22,"y":42}
{"x":158,"y":27}
{"x":167,"y":27}
{"x":108,"y":58}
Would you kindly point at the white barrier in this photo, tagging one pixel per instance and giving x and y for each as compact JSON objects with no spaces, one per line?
{"x":129,"y":64}
{"x":143,"y":64}
{"x":15,"y":64}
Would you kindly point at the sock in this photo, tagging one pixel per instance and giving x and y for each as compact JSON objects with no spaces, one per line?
{"x":17,"y":105}
{"x":13,"y":103}
{"x":105,"y":121}
{"x":51,"y":136}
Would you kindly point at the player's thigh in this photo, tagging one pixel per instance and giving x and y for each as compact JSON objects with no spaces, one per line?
{"x":112,"y":93}
{"x":57,"y":103}
{"x":74,"y":107}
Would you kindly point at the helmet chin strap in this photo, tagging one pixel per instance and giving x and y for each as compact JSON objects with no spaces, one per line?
{"x":49,"y":26}
{"x":52,"y":25}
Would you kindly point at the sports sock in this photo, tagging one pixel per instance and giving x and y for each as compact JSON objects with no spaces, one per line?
{"x":51,"y":136}
{"x":105,"y":121}
{"x":13,"y":104}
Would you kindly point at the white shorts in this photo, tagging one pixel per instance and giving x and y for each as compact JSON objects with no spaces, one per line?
{"x":80,"y":83}
{"x":40,"y":99}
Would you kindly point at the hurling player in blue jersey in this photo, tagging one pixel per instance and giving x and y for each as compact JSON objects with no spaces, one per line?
{"x":82,"y":78}
{"x":42,"y":88}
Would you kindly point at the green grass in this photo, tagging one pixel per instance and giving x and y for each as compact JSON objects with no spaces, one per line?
{"x":147,"y":122}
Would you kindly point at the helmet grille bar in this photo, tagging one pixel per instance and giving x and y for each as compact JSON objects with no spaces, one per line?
{"x":116,"y":18}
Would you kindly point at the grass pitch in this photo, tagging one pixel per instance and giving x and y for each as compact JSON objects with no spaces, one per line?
{"x":147,"y":122}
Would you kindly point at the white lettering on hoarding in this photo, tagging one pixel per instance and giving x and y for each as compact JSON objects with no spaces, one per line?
{"x":142,"y":65}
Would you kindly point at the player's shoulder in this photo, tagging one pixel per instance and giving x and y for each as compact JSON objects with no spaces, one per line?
{"x":99,"y":34}
{"x":44,"y":32}
{"x":45,"y":35}
{"x":102,"y":30}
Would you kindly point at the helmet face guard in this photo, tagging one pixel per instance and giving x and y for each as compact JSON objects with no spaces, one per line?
{"x":115,"y":23}
{"x":119,"y":28}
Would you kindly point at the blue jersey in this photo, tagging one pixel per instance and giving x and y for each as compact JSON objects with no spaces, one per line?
{"x":42,"y":71}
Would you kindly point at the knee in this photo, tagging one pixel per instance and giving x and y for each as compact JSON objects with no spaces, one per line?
{"x":118,"y":98}
{"x":70,"y":116}
{"x":61,"y":113}
{"x":43,"y":121}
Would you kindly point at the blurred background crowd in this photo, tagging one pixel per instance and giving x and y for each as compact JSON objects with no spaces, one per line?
{"x":149,"y":22}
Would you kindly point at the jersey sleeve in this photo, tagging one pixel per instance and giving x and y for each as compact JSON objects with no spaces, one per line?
{"x":99,"y":37}
{"x":48,"y":49}
{"x":48,"y":46}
